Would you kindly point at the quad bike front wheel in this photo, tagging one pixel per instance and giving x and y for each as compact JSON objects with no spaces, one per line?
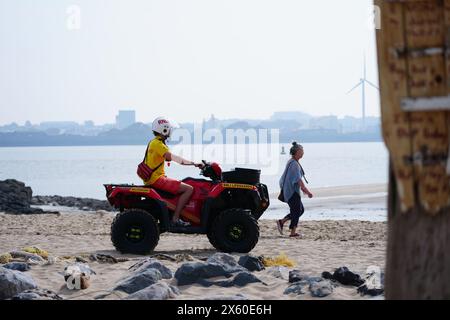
{"x":134,"y":231}
{"x":234,"y":230}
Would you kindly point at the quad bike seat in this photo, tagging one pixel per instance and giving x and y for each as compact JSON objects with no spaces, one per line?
{"x":164,"y":194}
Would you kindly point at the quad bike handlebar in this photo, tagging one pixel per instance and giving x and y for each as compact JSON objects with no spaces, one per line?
{"x":210,"y":170}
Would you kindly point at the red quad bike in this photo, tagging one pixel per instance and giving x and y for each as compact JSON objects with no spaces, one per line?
{"x":226,"y":208}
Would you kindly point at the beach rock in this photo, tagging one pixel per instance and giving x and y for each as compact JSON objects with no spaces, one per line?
{"x":279,"y":272}
{"x":300,"y":281}
{"x":314,"y":279}
{"x":344,"y":276}
{"x":150,"y":263}
{"x":297,"y":287}
{"x":15,"y":198}
{"x":85,"y":204}
{"x":194,"y":272}
{"x":238,"y":296}
{"x":251,"y":263}
{"x":244,"y":278}
{"x":297,"y":275}
{"x":37,"y":294}
{"x":112,"y":295}
{"x":239,"y":280}
{"x":138,"y":281}
{"x":157,"y":291}
{"x":13,"y":282}
{"x":18,"y":266}
{"x":320,"y":289}
{"x":227,"y":261}
{"x":327,"y":275}
{"x":218,"y":265}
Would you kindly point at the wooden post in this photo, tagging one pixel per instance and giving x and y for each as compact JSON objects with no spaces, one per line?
{"x":414,"y":63}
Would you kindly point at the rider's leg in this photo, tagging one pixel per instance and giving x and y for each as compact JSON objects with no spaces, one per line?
{"x":185,"y":192}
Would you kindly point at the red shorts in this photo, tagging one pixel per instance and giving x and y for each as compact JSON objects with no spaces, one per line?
{"x":167,"y":184}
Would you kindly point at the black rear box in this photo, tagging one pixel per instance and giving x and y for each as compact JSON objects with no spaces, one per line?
{"x":242,"y":175}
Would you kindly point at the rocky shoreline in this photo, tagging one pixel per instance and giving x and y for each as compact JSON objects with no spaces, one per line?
{"x":17,"y":198}
{"x":83,"y":204}
{"x":151,"y":279}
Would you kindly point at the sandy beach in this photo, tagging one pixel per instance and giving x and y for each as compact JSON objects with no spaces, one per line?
{"x":326,"y":245}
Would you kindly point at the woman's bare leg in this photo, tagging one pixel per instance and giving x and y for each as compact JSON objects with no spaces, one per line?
{"x":185,"y":192}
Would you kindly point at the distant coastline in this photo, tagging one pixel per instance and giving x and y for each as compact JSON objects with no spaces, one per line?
{"x":41,"y":139}
{"x":290,"y":126}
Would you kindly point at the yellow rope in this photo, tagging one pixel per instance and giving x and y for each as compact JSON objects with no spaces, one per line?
{"x":281,"y":260}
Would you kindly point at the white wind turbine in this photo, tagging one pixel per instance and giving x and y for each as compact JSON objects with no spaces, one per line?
{"x":362,"y":82}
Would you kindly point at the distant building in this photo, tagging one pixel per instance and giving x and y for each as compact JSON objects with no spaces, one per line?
{"x":53,"y":131}
{"x":326,"y":122}
{"x":373,"y":125}
{"x":301,"y":117}
{"x":351,"y":124}
{"x":63,"y":125}
{"x":89,"y":124}
{"x":9,"y":127}
{"x":125,"y":118}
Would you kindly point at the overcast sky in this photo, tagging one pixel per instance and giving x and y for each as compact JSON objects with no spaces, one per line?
{"x":185,"y":59}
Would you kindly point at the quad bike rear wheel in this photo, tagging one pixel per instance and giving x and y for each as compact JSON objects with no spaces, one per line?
{"x":134,"y":231}
{"x":234,"y":230}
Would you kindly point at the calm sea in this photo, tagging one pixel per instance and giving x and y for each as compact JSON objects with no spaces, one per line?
{"x":82,"y":171}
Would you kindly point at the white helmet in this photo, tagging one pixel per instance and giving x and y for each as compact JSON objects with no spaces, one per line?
{"x":162,"y":126}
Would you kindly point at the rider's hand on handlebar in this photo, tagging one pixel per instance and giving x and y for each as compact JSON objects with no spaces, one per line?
{"x":199,"y":165}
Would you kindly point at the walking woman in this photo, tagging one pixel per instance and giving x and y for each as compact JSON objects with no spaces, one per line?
{"x":291,"y":183}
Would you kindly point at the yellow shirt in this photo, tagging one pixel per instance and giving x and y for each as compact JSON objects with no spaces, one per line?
{"x":155,"y":156}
